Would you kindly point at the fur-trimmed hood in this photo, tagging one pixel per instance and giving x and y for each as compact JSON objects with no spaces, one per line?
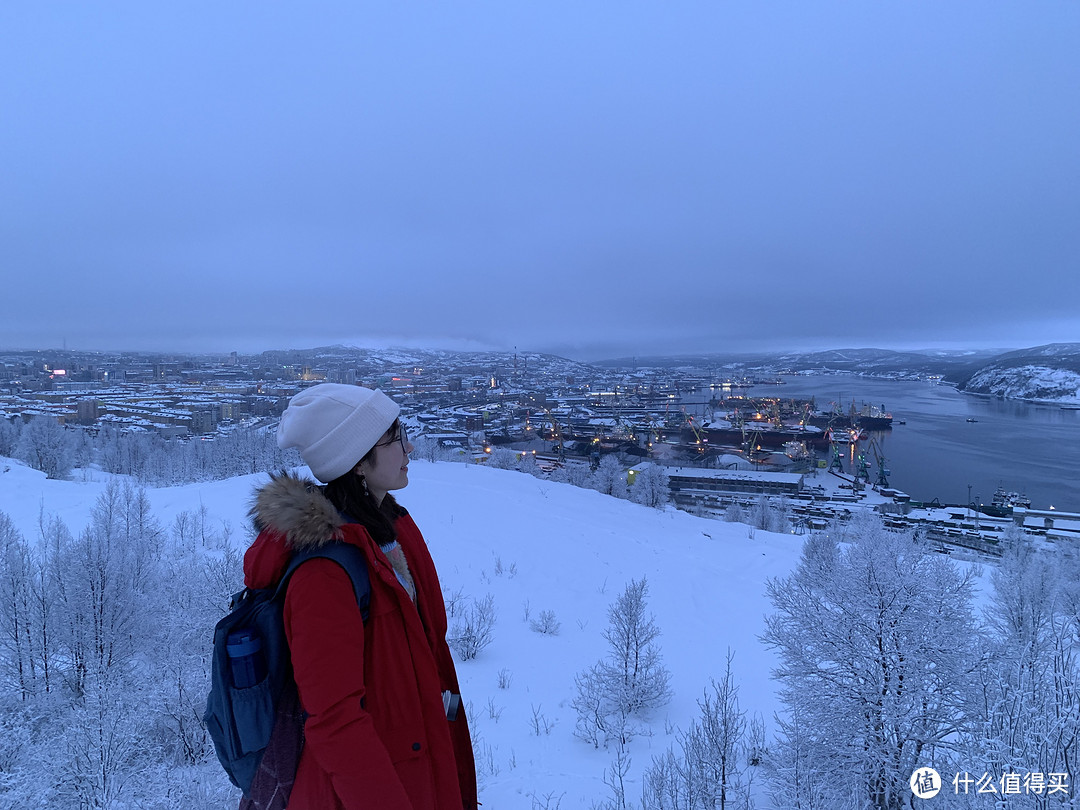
{"x":290,"y":513}
{"x":296,"y":508}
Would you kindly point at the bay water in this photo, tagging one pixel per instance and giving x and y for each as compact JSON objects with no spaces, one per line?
{"x":1021,"y":446}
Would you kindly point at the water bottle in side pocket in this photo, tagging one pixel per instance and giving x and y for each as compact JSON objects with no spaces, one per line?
{"x":247,"y":664}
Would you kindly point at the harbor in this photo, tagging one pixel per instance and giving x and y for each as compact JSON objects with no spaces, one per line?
{"x":818,"y":502}
{"x":958,"y":469}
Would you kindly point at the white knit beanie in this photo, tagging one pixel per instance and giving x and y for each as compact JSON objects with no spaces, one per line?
{"x":333,"y":426}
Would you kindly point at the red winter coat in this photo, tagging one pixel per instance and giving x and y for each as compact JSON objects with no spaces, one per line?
{"x":376,"y":734}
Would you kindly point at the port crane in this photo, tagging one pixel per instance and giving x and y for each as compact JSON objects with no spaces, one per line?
{"x":836,"y":464}
{"x":862,"y":467}
{"x":698,"y":435}
{"x":622,"y":424}
{"x":862,"y":470}
{"x":778,"y":423}
{"x":836,"y":414}
{"x":879,"y":456}
{"x":556,"y":436}
{"x":751,"y":445}
{"x":805,"y":416}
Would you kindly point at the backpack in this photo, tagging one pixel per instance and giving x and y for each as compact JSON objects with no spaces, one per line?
{"x":253,"y":713}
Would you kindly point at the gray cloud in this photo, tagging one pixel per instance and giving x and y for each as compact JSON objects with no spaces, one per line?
{"x":604,"y":180}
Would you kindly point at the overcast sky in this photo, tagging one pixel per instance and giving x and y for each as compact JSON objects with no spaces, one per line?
{"x":593,"y":179}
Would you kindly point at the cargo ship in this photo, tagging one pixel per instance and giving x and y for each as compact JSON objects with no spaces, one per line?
{"x":1004,"y":502}
{"x":762,"y":435}
{"x":872,"y":417}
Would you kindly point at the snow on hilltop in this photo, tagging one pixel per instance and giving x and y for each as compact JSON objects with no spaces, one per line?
{"x":1048,"y":373}
{"x":1027,"y":382}
{"x":536,"y":546}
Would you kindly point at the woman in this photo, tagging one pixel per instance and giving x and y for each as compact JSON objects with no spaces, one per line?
{"x":375,"y":692}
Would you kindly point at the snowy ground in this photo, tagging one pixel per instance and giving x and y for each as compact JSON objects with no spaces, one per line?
{"x":560,"y":548}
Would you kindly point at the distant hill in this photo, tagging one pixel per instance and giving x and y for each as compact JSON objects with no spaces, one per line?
{"x":1050,"y":372}
{"x":952,"y":364}
{"x":947,"y":363}
{"x":464,"y":362}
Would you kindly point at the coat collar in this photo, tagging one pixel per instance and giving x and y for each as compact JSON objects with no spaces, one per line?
{"x":295,"y":508}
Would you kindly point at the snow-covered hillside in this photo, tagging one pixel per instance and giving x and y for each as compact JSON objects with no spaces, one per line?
{"x":1049,"y":373}
{"x":536,"y":546}
{"x":1027,"y":382}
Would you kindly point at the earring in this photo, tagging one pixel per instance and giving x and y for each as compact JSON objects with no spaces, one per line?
{"x":363,"y":483}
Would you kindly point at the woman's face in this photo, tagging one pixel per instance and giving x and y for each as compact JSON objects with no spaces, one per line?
{"x":388,"y":468}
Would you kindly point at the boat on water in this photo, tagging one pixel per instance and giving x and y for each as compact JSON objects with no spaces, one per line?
{"x":1003,"y":498}
{"x":762,"y":434}
{"x":1003,"y":503}
{"x":872,"y":417}
{"x":845,"y":435}
{"x":972,"y":419}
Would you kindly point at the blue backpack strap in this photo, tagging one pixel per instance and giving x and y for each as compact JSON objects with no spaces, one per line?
{"x":348,"y":557}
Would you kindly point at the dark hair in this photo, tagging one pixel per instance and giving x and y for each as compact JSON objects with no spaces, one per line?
{"x":348,"y":495}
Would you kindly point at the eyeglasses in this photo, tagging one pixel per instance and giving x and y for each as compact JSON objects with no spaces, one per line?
{"x":402,"y":436}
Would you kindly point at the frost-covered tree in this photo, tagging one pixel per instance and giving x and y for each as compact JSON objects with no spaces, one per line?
{"x":781,"y":516}
{"x":609,"y":478}
{"x":151,"y":459}
{"x":473,"y":629}
{"x":651,"y":487}
{"x":574,"y":474}
{"x":631,"y":681}
{"x":29,"y":648}
{"x":796,"y":779}
{"x":99,"y":760}
{"x":877,"y":647}
{"x":771,"y":515}
{"x":9,"y":436}
{"x":428,"y":449}
{"x":424,"y":448}
{"x":528,"y":465}
{"x":502,"y":458}
{"x":1028,"y":698}
{"x":104,"y":660}
{"x":46,"y":445}
{"x":105,"y":581}
{"x":735,"y":513}
{"x":193,"y":586}
{"x":711,"y":770}
{"x":768,"y":514}
{"x":83,"y":452}
{"x":20,"y":775}
{"x":635,"y":665}
{"x":17,"y":630}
